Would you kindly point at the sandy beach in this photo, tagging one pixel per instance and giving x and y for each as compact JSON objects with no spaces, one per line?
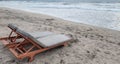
{"x":91,"y":45}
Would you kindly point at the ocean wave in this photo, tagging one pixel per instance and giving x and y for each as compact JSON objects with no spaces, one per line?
{"x":97,"y":14}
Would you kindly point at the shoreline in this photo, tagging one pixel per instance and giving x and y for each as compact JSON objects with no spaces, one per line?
{"x":71,"y":21}
{"x":91,"y":44}
{"x":101,"y":15}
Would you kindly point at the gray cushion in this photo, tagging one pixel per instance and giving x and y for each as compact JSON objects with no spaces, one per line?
{"x":24,"y":33}
{"x":53,"y":40}
{"x":40,"y":34}
{"x":34,"y":34}
{"x":13,"y":27}
{"x":45,"y":39}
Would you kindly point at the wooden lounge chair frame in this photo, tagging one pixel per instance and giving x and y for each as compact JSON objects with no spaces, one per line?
{"x":18,"y":48}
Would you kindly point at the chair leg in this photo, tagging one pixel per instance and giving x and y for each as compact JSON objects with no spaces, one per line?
{"x":65,"y":44}
{"x":31,"y":58}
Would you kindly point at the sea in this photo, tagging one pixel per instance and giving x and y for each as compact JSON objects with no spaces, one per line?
{"x":101,"y":13}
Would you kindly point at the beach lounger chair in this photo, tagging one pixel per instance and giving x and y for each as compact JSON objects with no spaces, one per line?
{"x":27,"y":45}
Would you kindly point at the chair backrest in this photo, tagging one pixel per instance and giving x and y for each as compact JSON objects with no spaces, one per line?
{"x":13,"y":27}
{"x":22,"y":33}
{"x":17,"y":30}
{"x":26,"y":35}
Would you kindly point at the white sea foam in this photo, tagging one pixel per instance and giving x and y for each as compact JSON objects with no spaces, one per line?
{"x":98,"y":14}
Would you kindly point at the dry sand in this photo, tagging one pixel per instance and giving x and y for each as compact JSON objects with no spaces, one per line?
{"x":91,"y":45}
